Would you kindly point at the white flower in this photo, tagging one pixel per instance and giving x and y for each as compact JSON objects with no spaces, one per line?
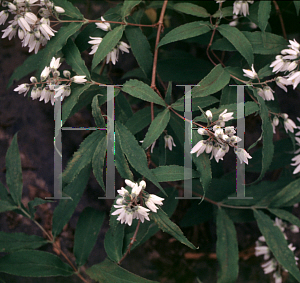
{"x":242,"y":154}
{"x":47,"y":95}
{"x":104,"y":26}
{"x":294,"y":44}
{"x":295,"y":78}
{"x":275,"y":123}
{"x":277,"y":277}
{"x":229,"y":131}
{"x":262,"y":250}
{"x":140,"y":212}
{"x":124,"y":47}
{"x":224,"y":116}
{"x":152,"y":201}
{"x":59,"y":10}
{"x":209,"y":115}
{"x":261,"y":93}
{"x":130,"y":183}
{"x":250,"y":74}
{"x":62,"y":91}
{"x":23,"y":88}
{"x":3,"y":16}
{"x":291,"y":54}
{"x":45,"y":73}
{"x":36,"y":92}
{"x":289,"y":124}
{"x":10,"y":31}
{"x":95,"y":41}
{"x":269,"y":266}
{"x":30,"y":18}
{"x":282,"y":82}
{"x":112,"y":56}
{"x":202,"y":131}
{"x":45,"y":28}
{"x":268,"y":93}
{"x":54,"y":64}
{"x":209,"y":147}
{"x":169,"y":142}
{"x":278,"y":65}
{"x":199,"y":147}
{"x":296,"y":160}
{"x":123,"y":192}
{"x":78,"y":79}
{"x":241,"y":7}
{"x":125,"y":214}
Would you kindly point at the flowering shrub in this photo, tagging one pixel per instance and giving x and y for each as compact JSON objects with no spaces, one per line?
{"x":234,"y":66}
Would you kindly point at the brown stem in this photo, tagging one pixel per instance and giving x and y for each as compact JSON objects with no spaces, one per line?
{"x":210,"y":43}
{"x":131,"y":242}
{"x":280,"y":18}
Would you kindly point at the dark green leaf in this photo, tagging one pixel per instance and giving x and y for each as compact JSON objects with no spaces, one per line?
{"x":171,"y":173}
{"x":70,"y":10}
{"x":109,"y":42}
{"x":4,"y":193}
{"x":66,"y":207}
{"x":196,"y":101}
{"x":229,"y":95}
{"x":168,"y":97}
{"x":82,"y":157}
{"x":108,"y":272}
{"x":185,"y":31}
{"x":6,"y":206}
{"x":96,"y":112}
{"x":225,"y":12}
{"x":285,"y":215}
{"x":34,"y":203}
{"x":123,"y":109}
{"x":14,"y":171}
{"x":121,"y":163}
{"x":128,"y":5}
{"x":239,"y":41}
{"x":142,"y":91}
{"x":73,"y":58}
{"x":34,"y":264}
{"x":277,"y":243}
{"x":227,"y":248}
{"x":213,"y":82}
{"x":191,"y":9}
{"x":264,"y":11}
{"x":98,"y":160}
{"x":297,"y":6}
{"x":140,"y":47}
{"x":165,"y":224}
{"x":157,"y":126}
{"x":86,"y":233}
{"x":265,"y":72}
{"x":10,"y":242}
{"x":134,"y":153}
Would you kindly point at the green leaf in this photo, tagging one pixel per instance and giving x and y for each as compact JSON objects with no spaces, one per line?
{"x":157,"y":126}
{"x":10,"y":242}
{"x":66,"y":207}
{"x":202,"y":163}
{"x":168,"y":97}
{"x":264,"y":11}
{"x":288,"y":196}
{"x":225,"y":12}
{"x":285,"y":215}
{"x":4,"y":193}
{"x":267,"y":133}
{"x":86,"y":233}
{"x":229,"y":95}
{"x":121,"y":163}
{"x":34,"y":264}
{"x":6,"y":206}
{"x":191,"y":9}
{"x":36,"y":202}
{"x":265,"y":72}
{"x":96,"y":112}
{"x":82,"y":157}
{"x":98,"y":160}
{"x":73,"y":58}
{"x":70,"y":10}
{"x":134,"y":153}
{"x":56,"y":43}
{"x":165,"y":224}
{"x":108,"y":272}
{"x":171,"y":173}
{"x":185,"y":31}
{"x":113,"y":242}
{"x":217,"y":79}
{"x":227,"y":248}
{"x":123,"y":109}
{"x":196,"y":101}
{"x":128,"y":5}
{"x":239,"y":41}
{"x":140,"y":47}
{"x":297,"y":6}
{"x":14,"y":171}
{"x":277,"y":243}
{"x":109,"y":42}
{"x":142,"y":91}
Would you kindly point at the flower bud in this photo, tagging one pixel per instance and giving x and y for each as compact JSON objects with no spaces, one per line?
{"x":67,"y":73}
{"x":33,"y":80}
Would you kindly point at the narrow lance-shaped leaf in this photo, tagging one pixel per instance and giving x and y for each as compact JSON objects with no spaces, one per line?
{"x":185,"y":31}
{"x":264,"y":10}
{"x":142,"y":91}
{"x":14,"y":171}
{"x":134,"y":153}
{"x":156,"y":128}
{"x":128,"y":5}
{"x":191,"y":9}
{"x":96,"y":112}
{"x":86,"y":233}
{"x":6,"y":206}
{"x":73,"y":58}
{"x":277,"y":243}
{"x":108,"y":272}
{"x":34,"y":264}
{"x":227,"y":248}
{"x":165,"y":224}
{"x":10,"y":242}
{"x":239,"y":41}
{"x":285,"y":215}
{"x":109,"y":42}
{"x":121,"y":163}
{"x":216,"y":80}
{"x":297,"y":6}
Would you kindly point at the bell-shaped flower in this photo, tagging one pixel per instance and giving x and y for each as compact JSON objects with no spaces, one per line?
{"x":199,"y":147}
{"x":169,"y":142}
{"x":104,"y":25}
{"x":242,"y":154}
{"x":250,"y":74}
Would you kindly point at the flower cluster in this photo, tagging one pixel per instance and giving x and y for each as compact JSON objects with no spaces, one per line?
{"x":271,"y":264}
{"x":32,"y":30}
{"x":50,"y":86}
{"x":241,"y":7}
{"x":130,"y":204}
{"x":112,"y":56}
{"x":220,"y":139}
{"x":296,"y":159}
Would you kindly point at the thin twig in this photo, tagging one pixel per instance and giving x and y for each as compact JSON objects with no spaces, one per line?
{"x":280,"y":18}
